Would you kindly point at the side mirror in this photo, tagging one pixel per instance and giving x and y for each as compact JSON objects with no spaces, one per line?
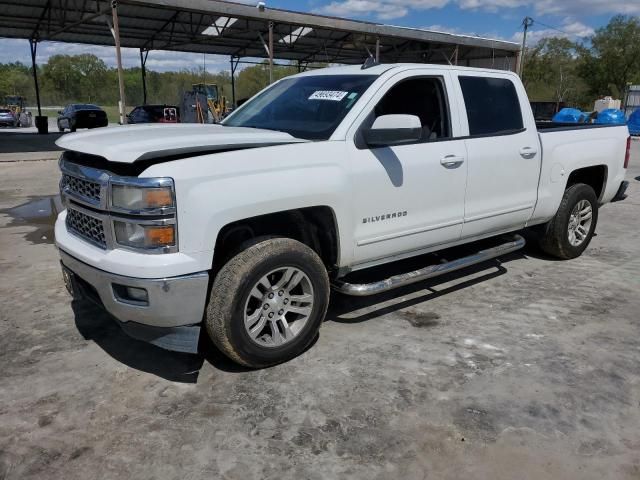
{"x":59,"y":112}
{"x":390,"y":130}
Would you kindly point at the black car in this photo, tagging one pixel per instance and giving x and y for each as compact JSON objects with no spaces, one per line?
{"x":154,"y":114}
{"x":81,"y":115}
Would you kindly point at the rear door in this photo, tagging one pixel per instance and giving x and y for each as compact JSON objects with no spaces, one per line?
{"x":503,"y":153}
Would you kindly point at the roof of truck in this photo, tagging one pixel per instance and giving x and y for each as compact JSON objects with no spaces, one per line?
{"x":381,"y":68}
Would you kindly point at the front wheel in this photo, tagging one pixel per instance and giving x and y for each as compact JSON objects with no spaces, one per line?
{"x":569,"y":233}
{"x":268,"y":302}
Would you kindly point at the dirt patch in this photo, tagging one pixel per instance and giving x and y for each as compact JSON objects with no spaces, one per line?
{"x":421,"y":319}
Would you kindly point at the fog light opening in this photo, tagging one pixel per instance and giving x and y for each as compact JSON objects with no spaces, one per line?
{"x":132,"y":295}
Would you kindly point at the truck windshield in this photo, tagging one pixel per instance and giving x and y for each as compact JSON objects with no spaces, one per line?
{"x":305,"y":107}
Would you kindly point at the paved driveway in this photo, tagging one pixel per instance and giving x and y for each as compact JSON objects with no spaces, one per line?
{"x":524,"y":369}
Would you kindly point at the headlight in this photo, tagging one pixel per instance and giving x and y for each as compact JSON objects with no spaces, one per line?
{"x":144,"y":237}
{"x":139,"y":199}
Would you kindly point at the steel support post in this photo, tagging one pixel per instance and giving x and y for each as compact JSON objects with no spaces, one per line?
{"x":33,"y":44}
{"x":270,"y":52}
{"x":143,"y":69}
{"x":116,"y":37}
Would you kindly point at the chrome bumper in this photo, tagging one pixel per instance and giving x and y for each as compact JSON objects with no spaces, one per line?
{"x":171,"y":302}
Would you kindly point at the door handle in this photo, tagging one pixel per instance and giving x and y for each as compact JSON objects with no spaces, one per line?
{"x":528,"y":152}
{"x":452,"y":161}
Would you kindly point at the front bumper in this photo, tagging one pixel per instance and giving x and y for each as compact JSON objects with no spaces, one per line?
{"x":169,"y":317}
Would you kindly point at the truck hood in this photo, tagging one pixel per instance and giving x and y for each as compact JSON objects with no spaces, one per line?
{"x":130,"y":143}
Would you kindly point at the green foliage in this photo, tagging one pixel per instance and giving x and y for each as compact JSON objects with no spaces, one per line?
{"x":557,"y":69}
{"x":86,"y":79}
{"x":551,"y":72}
{"x":612,"y":60}
{"x":15,"y":79}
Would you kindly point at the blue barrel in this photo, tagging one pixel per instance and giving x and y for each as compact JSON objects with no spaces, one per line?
{"x":634,"y":122}
{"x":569,"y":115}
{"x":611,"y":116}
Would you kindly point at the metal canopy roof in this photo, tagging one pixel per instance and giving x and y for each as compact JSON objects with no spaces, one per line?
{"x":240,"y":30}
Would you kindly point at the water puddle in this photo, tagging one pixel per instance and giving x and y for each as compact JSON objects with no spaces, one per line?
{"x":39,"y":212}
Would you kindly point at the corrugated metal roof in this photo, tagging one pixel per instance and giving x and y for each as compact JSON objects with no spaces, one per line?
{"x":179,"y":25}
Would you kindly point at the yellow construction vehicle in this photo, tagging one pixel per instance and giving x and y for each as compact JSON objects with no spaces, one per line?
{"x":18,"y":105}
{"x":217,"y":104}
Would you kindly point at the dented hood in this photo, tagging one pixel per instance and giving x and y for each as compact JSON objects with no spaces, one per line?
{"x":127,"y":144}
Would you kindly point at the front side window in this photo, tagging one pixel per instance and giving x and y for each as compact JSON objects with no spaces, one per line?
{"x":492,"y":104}
{"x":423,"y":98}
{"x":308,"y":107}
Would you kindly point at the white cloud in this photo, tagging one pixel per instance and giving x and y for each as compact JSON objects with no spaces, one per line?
{"x":491,"y":5}
{"x":384,"y":10}
{"x":572,"y":30}
{"x":590,"y":7}
{"x":388,"y":9}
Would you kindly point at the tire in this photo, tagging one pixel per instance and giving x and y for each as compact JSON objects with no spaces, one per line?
{"x":232,"y":298}
{"x":556,"y":238}
{"x":60,"y":129}
{"x":72,"y":128}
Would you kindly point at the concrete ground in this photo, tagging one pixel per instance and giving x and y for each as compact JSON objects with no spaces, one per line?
{"x":526,"y":369}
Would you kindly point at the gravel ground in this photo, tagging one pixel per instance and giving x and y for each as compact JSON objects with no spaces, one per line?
{"x":527,"y":368}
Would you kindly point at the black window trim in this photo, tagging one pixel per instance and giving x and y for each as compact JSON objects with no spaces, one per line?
{"x":361,"y":146}
{"x":503,"y":133}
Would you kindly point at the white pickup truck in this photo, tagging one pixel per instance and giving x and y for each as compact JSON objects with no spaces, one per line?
{"x":241,"y":228}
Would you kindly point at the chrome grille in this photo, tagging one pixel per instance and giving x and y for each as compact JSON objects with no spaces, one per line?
{"x":87,"y":227}
{"x":83,"y":188}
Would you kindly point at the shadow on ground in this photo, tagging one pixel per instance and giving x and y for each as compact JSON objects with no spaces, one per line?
{"x":96,"y":325}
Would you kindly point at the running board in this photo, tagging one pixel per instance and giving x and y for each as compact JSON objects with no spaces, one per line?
{"x":396,"y":281}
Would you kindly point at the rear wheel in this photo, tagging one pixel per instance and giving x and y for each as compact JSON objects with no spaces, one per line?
{"x":268,"y":302}
{"x":569,"y":233}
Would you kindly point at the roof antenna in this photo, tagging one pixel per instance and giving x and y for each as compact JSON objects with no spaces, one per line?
{"x":369,"y":62}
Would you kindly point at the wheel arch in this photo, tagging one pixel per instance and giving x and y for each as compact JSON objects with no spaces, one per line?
{"x":595,"y":176}
{"x":315,"y":226}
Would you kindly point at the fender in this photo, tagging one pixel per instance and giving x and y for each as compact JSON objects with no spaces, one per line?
{"x":218,"y":189}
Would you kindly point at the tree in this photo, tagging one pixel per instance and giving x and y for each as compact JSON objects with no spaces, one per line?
{"x":612,"y":59}
{"x":91,"y":71}
{"x":551,"y":72}
{"x":15,"y":79}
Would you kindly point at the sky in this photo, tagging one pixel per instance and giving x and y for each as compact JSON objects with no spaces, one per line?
{"x":501,"y":19}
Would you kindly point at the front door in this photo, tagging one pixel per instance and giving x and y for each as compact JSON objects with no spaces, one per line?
{"x":410,"y":197}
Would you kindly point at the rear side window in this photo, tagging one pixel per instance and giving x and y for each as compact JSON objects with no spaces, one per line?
{"x":492,"y":104}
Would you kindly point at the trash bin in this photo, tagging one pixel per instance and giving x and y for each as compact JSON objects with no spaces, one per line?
{"x":634,"y":123}
{"x":611,"y":116}
{"x":42,"y":124}
{"x":569,"y":115}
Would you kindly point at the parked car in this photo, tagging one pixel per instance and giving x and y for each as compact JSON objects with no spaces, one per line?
{"x":81,"y":115}
{"x":154,"y":114}
{"x":238,"y":230}
{"x":8,"y":118}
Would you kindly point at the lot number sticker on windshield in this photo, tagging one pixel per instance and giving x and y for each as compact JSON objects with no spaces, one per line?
{"x":331,"y":95}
